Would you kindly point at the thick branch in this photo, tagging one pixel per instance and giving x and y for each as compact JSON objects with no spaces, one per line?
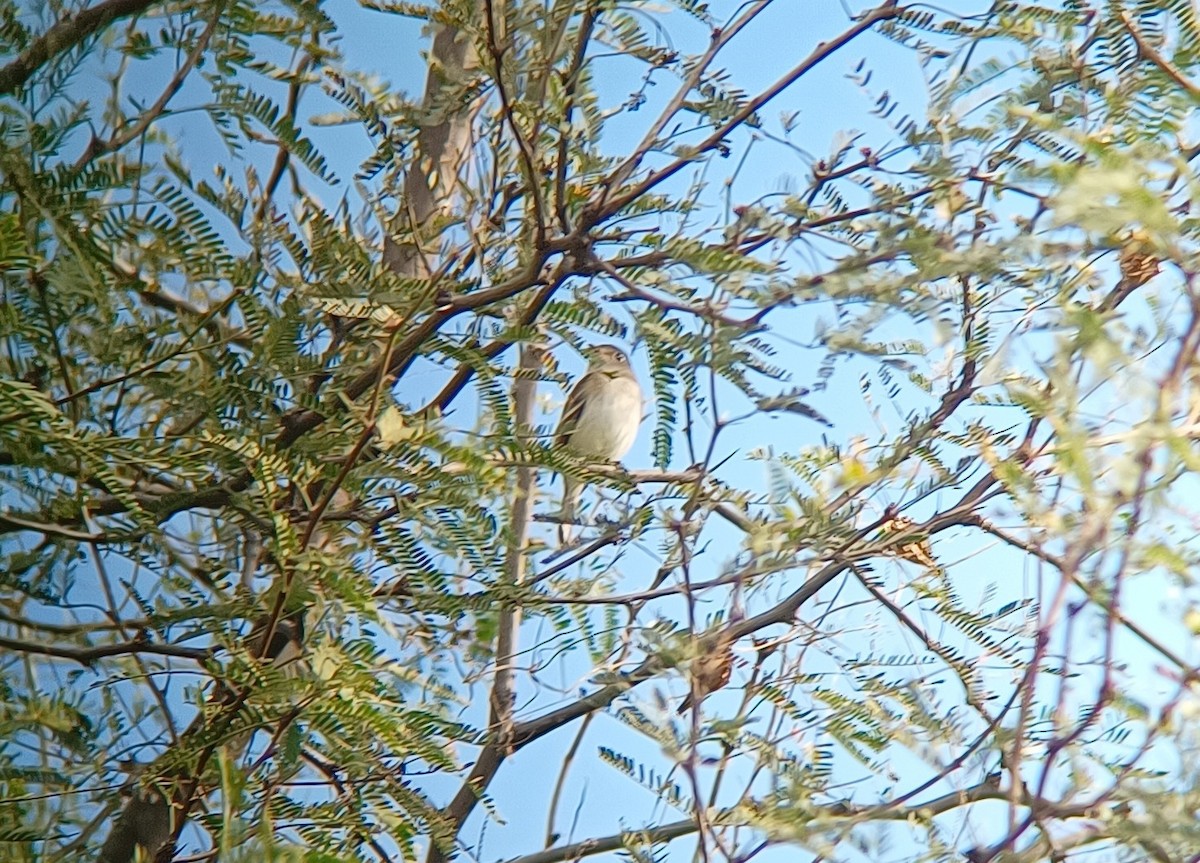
{"x":1148,"y":51}
{"x":500,"y":722}
{"x":590,"y":847}
{"x":441,"y":149}
{"x":465,"y":371}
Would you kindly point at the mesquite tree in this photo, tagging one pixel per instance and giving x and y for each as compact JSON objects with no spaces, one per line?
{"x":901,"y":567}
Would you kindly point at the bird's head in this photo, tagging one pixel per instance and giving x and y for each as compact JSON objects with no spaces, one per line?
{"x":608,"y":358}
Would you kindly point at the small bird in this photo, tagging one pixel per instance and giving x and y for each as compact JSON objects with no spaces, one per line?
{"x":599,"y":421}
{"x":287,"y":638}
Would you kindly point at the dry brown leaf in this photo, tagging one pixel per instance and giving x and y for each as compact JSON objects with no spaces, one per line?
{"x":710,"y":671}
{"x":1138,"y":262}
{"x":913,"y":549}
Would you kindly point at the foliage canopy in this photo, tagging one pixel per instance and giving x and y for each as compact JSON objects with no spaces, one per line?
{"x":277,"y":574}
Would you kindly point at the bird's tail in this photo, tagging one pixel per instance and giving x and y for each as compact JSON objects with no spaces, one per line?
{"x":572,"y":489}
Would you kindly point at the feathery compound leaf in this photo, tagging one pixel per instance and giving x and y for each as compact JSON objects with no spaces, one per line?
{"x":664,"y":360}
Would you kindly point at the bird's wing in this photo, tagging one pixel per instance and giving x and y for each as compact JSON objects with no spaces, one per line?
{"x":287,"y":638}
{"x":573,"y":409}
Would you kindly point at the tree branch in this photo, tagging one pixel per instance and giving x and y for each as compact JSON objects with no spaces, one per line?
{"x":123,"y":136}
{"x":500,"y":721}
{"x":441,"y":149}
{"x":782,"y":613}
{"x":65,"y":35}
{"x":720,"y":38}
{"x":988,"y":789}
{"x":87,"y":656}
{"x":604,"y":207}
{"x":590,"y":847}
{"x":1148,"y":50}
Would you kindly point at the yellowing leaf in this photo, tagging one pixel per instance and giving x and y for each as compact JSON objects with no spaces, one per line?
{"x":391,"y":427}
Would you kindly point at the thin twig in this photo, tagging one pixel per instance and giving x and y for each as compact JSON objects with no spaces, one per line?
{"x":87,"y":656}
{"x":121,"y":137}
{"x":605,"y":207}
{"x":1156,"y":58}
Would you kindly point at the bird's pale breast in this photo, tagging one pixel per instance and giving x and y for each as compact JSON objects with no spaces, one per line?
{"x":610,"y":420}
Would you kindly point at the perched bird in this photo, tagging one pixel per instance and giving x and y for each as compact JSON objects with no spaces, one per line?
{"x":710,"y":669}
{"x":600,"y":420}
{"x":287,"y":638}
